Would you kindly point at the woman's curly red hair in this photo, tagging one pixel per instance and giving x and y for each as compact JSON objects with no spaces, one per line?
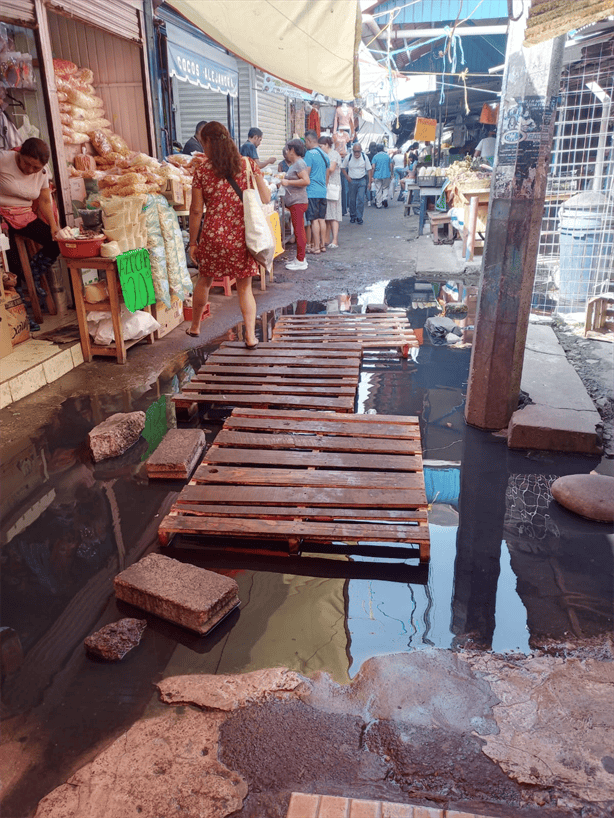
{"x":223,"y":153}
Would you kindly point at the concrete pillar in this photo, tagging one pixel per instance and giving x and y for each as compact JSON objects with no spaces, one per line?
{"x":524,"y":143}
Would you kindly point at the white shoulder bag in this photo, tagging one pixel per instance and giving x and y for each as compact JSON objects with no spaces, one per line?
{"x":258,"y":235}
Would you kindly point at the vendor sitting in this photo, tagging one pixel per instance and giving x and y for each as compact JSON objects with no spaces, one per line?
{"x":26,"y":205}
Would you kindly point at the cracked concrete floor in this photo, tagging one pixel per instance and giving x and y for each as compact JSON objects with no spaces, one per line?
{"x":470,"y":731}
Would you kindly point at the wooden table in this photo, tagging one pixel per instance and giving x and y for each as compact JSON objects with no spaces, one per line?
{"x":113,"y":305}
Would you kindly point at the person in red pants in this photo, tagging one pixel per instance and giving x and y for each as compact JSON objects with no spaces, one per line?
{"x":295,"y":182}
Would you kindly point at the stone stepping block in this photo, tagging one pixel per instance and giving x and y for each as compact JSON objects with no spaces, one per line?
{"x":589,"y":495}
{"x":116,"y":434}
{"x":114,"y":641}
{"x":177,"y":455}
{"x":192,"y":597}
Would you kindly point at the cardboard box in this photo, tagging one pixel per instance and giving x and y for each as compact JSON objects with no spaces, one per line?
{"x":6,"y":347}
{"x":169,"y":318}
{"x":174,"y":192}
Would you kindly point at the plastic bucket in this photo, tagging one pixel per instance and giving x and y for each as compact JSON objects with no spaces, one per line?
{"x":586,"y":236}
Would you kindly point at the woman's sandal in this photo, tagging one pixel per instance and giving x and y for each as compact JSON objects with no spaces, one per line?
{"x":322,"y":249}
{"x":313,"y":252}
{"x":251,"y":346}
{"x":192,"y":334}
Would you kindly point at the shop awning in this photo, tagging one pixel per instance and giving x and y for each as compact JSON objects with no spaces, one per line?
{"x":312,"y":45}
{"x":200,"y":64}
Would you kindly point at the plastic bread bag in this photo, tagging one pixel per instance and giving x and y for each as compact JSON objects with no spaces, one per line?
{"x":101,"y":143}
{"x":110,"y":249}
{"x":135,"y":325}
{"x":71,"y":137}
{"x":64,"y":67}
{"x":179,"y":279}
{"x":157,"y":254}
{"x":119,"y":144}
{"x":82,"y":100}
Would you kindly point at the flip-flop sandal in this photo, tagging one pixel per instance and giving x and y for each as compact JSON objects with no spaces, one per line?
{"x":313,"y":252}
{"x":192,"y":334}
{"x":333,"y":246}
{"x":322,"y":249}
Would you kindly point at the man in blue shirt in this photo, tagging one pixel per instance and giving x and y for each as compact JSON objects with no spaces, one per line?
{"x":254,"y":138}
{"x":318,"y":164}
{"x":382,"y":174}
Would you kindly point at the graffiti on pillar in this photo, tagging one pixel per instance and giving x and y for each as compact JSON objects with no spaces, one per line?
{"x":524,"y":146}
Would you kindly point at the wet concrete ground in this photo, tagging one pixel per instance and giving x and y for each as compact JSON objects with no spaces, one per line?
{"x":510,"y":572}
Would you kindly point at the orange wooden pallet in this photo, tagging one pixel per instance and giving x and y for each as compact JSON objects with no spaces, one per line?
{"x":368,"y":330}
{"x":312,"y":477}
{"x":277,"y":376}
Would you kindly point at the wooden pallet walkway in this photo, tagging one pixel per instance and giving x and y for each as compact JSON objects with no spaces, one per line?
{"x":369,"y":330}
{"x":312,"y":476}
{"x":277,"y":376}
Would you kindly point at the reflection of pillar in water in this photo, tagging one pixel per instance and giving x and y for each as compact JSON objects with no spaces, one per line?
{"x":483,"y":483}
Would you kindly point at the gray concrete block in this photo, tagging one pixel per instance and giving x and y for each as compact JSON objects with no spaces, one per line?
{"x":177,"y":455}
{"x":183,"y":594}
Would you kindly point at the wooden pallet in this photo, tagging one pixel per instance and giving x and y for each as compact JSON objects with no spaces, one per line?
{"x":368,"y":330}
{"x":309,"y":476}
{"x":277,"y":376}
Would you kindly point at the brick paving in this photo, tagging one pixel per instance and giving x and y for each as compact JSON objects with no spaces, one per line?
{"x":303,"y":805}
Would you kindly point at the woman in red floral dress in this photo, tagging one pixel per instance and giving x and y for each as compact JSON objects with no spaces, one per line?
{"x":221,"y":248}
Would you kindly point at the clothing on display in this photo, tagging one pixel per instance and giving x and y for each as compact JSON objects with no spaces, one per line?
{"x":344,"y":118}
{"x":314,"y":121}
{"x":327,"y":117}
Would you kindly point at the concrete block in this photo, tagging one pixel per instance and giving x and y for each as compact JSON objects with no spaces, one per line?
{"x":303,"y":805}
{"x":177,"y":455}
{"x":116,"y":434}
{"x":559,"y":430}
{"x":390,"y":810}
{"x":183,"y":594}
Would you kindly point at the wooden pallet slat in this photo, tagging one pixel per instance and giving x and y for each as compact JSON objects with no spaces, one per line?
{"x":326,"y":460}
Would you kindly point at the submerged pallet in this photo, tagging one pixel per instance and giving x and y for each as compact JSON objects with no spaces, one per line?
{"x":313,"y":477}
{"x":278,"y":377}
{"x":368,"y":330}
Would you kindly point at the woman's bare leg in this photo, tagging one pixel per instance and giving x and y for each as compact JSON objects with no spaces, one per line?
{"x":332,"y":225}
{"x":199,"y":301}
{"x":247,"y":303}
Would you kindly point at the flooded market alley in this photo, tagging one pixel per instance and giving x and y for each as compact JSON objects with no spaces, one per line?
{"x":510,"y":571}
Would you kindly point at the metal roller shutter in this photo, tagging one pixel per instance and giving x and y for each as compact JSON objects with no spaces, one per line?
{"x":273,"y":122}
{"x":120,"y":17}
{"x":19,"y":12}
{"x":247,"y":113}
{"x":194,"y":103}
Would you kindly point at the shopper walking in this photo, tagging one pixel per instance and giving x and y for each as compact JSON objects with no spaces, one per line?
{"x":358,"y":171}
{"x":399,"y":169}
{"x":295,"y":182}
{"x":317,"y":164}
{"x":217,"y":242}
{"x":249,"y":148}
{"x":333,"y":193}
{"x":382,"y":174}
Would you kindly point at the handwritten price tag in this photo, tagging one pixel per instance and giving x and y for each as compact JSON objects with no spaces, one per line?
{"x":135,"y":278}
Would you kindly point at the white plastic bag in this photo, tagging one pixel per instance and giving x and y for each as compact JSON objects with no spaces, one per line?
{"x":135,"y":325}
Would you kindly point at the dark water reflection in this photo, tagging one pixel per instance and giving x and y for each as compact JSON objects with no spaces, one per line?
{"x":509,"y":568}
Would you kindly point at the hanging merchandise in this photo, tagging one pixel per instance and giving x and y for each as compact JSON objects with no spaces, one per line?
{"x":490,"y":114}
{"x":314,"y":121}
{"x":459,"y":132}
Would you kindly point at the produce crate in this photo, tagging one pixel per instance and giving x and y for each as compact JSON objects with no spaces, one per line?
{"x":169,"y":318}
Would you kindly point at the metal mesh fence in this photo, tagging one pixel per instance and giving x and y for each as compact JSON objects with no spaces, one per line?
{"x":576,"y":250}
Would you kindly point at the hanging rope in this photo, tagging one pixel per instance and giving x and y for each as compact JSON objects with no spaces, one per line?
{"x":463,"y":77}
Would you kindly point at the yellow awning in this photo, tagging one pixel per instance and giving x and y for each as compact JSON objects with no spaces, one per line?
{"x":312,"y":44}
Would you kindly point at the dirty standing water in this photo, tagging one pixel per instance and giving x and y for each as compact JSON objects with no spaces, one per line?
{"x":509,"y":571}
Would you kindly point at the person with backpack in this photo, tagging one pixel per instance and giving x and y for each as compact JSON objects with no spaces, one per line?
{"x":357,"y":169}
{"x":382,"y":173}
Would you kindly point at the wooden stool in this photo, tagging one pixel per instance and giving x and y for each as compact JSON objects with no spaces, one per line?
{"x":438,"y":220}
{"x":27,"y":248}
{"x":226,"y":282}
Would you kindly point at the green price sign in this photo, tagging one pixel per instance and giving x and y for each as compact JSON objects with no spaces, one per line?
{"x":134,"y":271}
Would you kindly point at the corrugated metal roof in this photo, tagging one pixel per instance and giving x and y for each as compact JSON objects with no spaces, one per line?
{"x":120,"y":17}
{"x":550,"y":18}
{"x":18,"y":11}
{"x":440,"y":11}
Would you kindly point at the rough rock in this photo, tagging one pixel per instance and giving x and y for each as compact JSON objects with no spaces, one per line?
{"x":114,"y":641}
{"x":184,"y":594}
{"x":177,"y":455}
{"x":589,"y":495}
{"x":162,"y":766}
{"x":555,"y":722}
{"x":116,"y":434}
{"x":230,"y":692}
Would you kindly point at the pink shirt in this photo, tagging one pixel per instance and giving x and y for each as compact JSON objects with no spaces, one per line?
{"x":19,"y":189}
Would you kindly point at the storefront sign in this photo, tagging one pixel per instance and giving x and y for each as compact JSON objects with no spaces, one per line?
{"x":134,"y":270}
{"x":197,"y":69}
